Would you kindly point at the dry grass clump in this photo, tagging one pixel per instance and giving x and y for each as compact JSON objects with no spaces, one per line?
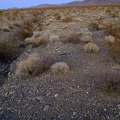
{"x":114,"y":47}
{"x":85,"y":32}
{"x":57,"y":15}
{"x":95,"y":25}
{"x":66,"y":19}
{"x":26,"y":67}
{"x":86,"y":39}
{"x":26,"y":30}
{"x":114,"y":30}
{"x":109,"y":39}
{"x":54,"y":38}
{"x":60,"y":68}
{"x":36,"y":41}
{"x":73,"y":38}
{"x":34,"y":65}
{"x":112,"y":12}
{"x":8,"y":51}
{"x":114,"y":50}
{"x":91,"y":47}
{"x":109,"y":81}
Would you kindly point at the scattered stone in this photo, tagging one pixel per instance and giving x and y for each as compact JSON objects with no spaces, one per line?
{"x":56,"y":95}
{"x":48,"y":94}
{"x":46,"y":108}
{"x":40,"y":98}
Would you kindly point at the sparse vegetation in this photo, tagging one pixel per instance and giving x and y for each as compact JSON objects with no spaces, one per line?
{"x":26,"y":67}
{"x":86,"y":39}
{"x":66,"y":19}
{"x":61,"y":62}
{"x":54,"y":38}
{"x":36,"y":41}
{"x":73,"y":38}
{"x":114,"y":50}
{"x":8,"y":51}
{"x":114,"y":30}
{"x":109,"y":81}
{"x":91,"y":47}
{"x":26,"y":30}
{"x":33,"y":65}
{"x":60,"y":68}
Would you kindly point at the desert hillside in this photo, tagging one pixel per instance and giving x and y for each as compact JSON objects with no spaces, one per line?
{"x":81,"y":3}
{"x":60,"y":63}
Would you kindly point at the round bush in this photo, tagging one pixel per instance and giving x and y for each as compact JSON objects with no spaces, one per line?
{"x":60,"y":68}
{"x":91,"y":47}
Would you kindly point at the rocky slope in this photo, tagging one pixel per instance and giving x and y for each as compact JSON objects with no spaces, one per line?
{"x":76,"y":36}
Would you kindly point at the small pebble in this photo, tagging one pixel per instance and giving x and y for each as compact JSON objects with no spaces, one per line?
{"x":46,"y":108}
{"x":48,"y":94}
{"x":56,"y":95}
{"x":40,"y":97}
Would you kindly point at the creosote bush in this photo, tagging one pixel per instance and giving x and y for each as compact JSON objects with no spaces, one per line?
{"x":109,"y":81}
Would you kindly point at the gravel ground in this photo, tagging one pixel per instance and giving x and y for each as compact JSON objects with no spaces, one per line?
{"x":71,"y":96}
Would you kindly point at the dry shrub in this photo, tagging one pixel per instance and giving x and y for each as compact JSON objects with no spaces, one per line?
{"x":95,"y":25}
{"x":73,"y":38}
{"x":34,"y":19}
{"x":26,"y":67}
{"x":60,"y":68}
{"x":28,"y":24}
{"x":85,"y":32}
{"x":41,"y":41}
{"x":66,"y":19}
{"x":114,"y":50}
{"x":114,"y":30}
{"x":57,"y":15}
{"x":114,"y":47}
{"x":54,"y":38}
{"x":33,"y":65}
{"x":26,"y":30}
{"x":86,"y":39}
{"x":109,"y":39}
{"x":24,"y":33}
{"x":15,"y":14}
{"x":112,"y":12}
{"x":8,"y":51}
{"x":36,"y":41}
{"x":109,"y":81}
{"x":91,"y":47}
